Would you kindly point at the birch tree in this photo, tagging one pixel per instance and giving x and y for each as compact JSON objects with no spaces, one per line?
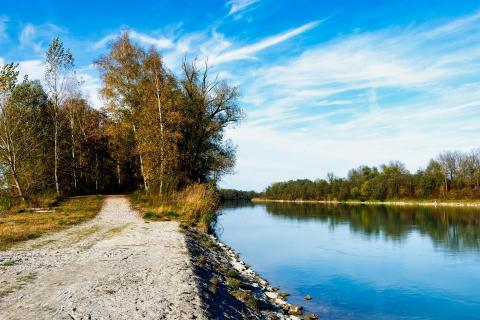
{"x":59,"y":70}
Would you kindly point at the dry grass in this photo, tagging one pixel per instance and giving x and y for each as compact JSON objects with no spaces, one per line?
{"x":16,"y":227}
{"x":195,"y":206}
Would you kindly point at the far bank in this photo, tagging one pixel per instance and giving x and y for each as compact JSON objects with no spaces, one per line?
{"x":431,"y":203}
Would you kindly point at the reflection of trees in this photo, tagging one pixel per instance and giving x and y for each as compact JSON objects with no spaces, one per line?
{"x":236,"y":204}
{"x":453,"y":228}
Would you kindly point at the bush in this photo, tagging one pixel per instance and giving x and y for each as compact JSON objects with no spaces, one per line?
{"x":5,"y":203}
{"x":195,"y":206}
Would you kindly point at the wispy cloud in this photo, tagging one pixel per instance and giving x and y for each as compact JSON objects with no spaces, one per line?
{"x":3,"y":27}
{"x":145,"y":39}
{"x":239,"y":5}
{"x":247,"y":52}
{"x":37,"y":37}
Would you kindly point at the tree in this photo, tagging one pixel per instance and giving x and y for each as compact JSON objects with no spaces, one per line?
{"x":450,"y":162}
{"x":30,"y":104}
{"x":58,"y":75}
{"x":207,"y":109}
{"x":11,"y":123}
{"x":121,"y":72}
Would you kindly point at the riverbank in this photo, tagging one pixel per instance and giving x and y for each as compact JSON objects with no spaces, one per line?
{"x":230,"y":289}
{"x":429,"y":203}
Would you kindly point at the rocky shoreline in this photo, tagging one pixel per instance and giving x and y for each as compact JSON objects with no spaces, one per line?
{"x":230,"y":289}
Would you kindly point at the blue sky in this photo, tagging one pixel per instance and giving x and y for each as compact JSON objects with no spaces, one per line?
{"x":326,"y":85}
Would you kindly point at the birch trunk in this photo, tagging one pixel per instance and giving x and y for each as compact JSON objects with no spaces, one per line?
{"x":72,"y":127}
{"x":55,"y":150}
{"x":119,"y":178}
{"x":159,"y":106}
{"x":142,"y":170}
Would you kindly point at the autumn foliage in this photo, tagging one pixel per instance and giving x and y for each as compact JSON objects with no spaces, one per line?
{"x":158,"y":132}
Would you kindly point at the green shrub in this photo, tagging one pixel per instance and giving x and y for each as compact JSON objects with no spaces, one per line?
{"x":150,"y":216}
{"x":5,"y":203}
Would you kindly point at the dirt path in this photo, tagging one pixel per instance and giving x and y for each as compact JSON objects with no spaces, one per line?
{"x":113,"y":267}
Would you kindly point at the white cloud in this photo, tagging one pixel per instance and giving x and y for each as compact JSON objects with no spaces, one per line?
{"x":247,"y":52}
{"x":239,"y":5}
{"x":35,"y":69}
{"x":90,"y":87}
{"x":105,"y":40}
{"x":159,"y":43}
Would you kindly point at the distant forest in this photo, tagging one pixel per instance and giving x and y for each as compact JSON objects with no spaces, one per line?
{"x":237,"y":195}
{"x":451,"y":175}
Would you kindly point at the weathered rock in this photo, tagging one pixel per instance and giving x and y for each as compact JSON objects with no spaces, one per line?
{"x":295,"y":310}
{"x":283,"y":295}
{"x":263,"y":282}
{"x":311,"y":316}
{"x":271,"y":295}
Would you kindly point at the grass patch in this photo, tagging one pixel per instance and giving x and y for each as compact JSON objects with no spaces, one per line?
{"x":15,"y":227}
{"x":237,"y":283}
{"x":230,"y":272}
{"x":151,"y":216}
{"x":246,"y":297}
{"x":195,"y":206}
{"x":8,"y":263}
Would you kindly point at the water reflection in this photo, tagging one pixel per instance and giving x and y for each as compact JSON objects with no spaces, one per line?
{"x":457,"y":229}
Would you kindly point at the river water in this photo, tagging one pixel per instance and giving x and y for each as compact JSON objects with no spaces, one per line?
{"x":363,"y":262}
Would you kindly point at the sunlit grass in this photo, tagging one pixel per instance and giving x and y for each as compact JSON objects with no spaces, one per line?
{"x":15,"y":227}
{"x":194,"y":206}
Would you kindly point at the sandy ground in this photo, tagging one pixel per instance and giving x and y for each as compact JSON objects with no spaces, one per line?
{"x":114,"y":267}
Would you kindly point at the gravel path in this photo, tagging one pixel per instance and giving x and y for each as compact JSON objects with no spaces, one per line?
{"x":114,"y":267}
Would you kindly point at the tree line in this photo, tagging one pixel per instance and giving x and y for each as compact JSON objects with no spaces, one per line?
{"x":237,"y":195}
{"x":451,"y":175}
{"x":157,"y":131}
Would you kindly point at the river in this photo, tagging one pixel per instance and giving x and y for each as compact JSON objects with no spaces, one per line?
{"x":363,"y":262}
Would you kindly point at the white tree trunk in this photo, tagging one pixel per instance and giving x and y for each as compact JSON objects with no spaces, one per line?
{"x":142,"y":170}
{"x":159,"y":106}
{"x":55,"y":150}
{"x":72,"y":127}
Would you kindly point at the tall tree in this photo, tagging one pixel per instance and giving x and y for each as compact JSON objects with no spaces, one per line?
{"x":121,"y":72}
{"x":156,"y":75}
{"x":58,"y":75}
{"x":208,"y":108}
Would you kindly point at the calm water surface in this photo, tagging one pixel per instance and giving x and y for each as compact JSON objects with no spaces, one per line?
{"x":363,"y":262}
